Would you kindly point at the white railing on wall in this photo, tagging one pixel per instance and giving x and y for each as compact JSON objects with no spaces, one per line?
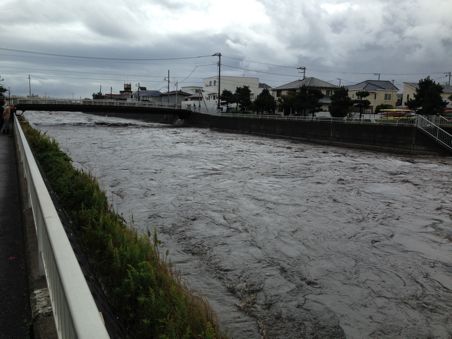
{"x":374,"y":120}
{"x":74,"y":309}
{"x":434,"y":131}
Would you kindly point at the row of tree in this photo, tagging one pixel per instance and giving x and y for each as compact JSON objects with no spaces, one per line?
{"x":427,"y":100}
{"x":2,"y":95}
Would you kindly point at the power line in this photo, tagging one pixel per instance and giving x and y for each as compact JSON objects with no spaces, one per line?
{"x":101,"y":58}
{"x":259,"y":62}
{"x":194,"y":69}
{"x":331,"y":71}
{"x":263,"y":72}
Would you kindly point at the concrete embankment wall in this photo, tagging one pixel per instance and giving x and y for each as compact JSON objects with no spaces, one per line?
{"x":393,"y":138}
{"x":402,"y":138}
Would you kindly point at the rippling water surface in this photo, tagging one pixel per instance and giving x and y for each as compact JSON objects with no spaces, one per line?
{"x":286,"y":240}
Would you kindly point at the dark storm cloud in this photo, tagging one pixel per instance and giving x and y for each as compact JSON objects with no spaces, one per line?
{"x":332,"y":38}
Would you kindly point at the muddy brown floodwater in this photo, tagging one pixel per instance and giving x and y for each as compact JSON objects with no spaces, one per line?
{"x":285,"y":239}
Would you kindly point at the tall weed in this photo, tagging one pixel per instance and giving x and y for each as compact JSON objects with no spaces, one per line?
{"x":149,"y":299}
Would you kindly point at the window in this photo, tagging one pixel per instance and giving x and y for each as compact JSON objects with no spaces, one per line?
{"x":387,"y":96}
{"x":328,"y":92}
{"x":210,"y":83}
{"x":214,"y":82}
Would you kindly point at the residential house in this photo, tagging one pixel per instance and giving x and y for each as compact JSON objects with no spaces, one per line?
{"x":144,"y":94}
{"x":409,"y":89}
{"x":381,"y":92}
{"x":326,"y":88}
{"x":174,"y":97}
{"x":192,"y":89}
{"x":125,"y":94}
{"x":231,"y":83}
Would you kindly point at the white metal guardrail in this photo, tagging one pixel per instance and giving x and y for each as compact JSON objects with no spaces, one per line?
{"x":440,"y":135}
{"x":74,"y":309}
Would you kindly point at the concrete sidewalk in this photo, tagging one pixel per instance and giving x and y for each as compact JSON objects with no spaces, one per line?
{"x":14,"y":295}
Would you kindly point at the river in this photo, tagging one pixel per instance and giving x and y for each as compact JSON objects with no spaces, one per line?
{"x":284,"y":239}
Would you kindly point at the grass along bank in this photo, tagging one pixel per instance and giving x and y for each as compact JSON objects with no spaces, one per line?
{"x":140,"y":285}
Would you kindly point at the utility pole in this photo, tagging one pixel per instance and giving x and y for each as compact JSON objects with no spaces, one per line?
{"x":177,"y":89}
{"x":340,"y":81}
{"x":219,"y":79}
{"x":29,"y":85}
{"x":449,"y":74}
{"x":379,"y":74}
{"x":302,"y":70}
{"x":168,"y":85}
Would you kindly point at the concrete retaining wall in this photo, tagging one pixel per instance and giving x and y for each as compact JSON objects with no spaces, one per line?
{"x":402,"y":138}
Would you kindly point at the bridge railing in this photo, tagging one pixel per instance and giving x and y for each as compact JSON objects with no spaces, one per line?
{"x":94,"y":102}
{"x":74,"y":309}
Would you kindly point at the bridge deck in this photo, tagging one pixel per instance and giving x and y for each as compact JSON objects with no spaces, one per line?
{"x":14,"y":308}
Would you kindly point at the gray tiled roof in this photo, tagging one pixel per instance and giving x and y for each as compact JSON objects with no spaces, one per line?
{"x":308,"y":82}
{"x":179,"y":92}
{"x":373,"y":85}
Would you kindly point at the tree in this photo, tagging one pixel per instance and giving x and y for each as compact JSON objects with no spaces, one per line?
{"x":341,"y":103}
{"x":427,"y":99}
{"x":362,"y":94}
{"x":307,"y":100}
{"x":265,"y":102}
{"x":2,"y":97}
{"x":98,"y":95}
{"x":286,"y":103}
{"x":362,"y":104}
{"x":243,"y":97}
{"x":228,"y":97}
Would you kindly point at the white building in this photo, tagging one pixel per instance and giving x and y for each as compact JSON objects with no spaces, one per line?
{"x":205,"y":98}
{"x":230,"y":83}
{"x":192,"y":89}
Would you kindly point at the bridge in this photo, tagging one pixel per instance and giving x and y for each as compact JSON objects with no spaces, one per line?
{"x":146,"y":110}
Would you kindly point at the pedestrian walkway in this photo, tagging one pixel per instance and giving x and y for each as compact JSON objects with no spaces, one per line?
{"x":14,"y":306}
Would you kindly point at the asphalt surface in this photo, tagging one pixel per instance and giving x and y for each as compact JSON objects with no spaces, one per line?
{"x":14,"y":309}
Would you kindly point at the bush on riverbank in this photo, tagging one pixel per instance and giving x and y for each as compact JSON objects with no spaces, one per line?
{"x":149,"y":299}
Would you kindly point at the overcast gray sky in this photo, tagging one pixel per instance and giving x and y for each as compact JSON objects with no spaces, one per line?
{"x":351,"y":40}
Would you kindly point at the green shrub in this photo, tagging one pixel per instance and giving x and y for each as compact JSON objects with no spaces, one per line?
{"x":149,"y":299}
